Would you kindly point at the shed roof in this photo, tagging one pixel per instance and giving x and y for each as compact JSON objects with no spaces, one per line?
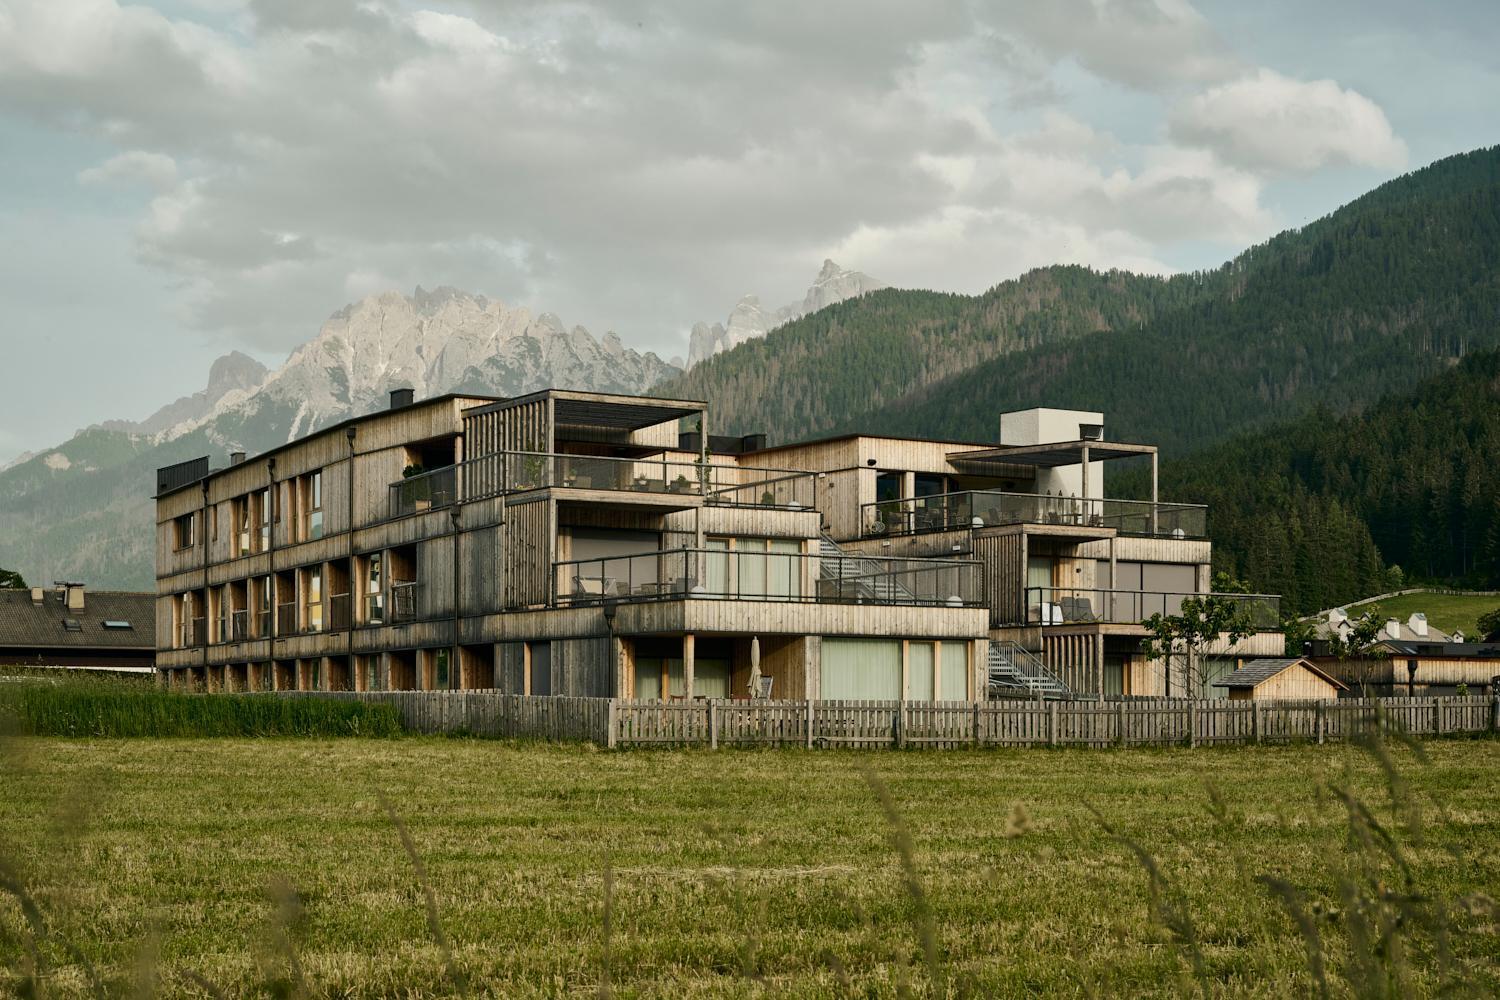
{"x":1257,"y":672}
{"x":24,"y":624}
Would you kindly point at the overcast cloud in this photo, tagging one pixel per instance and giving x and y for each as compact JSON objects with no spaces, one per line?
{"x":192,"y":177}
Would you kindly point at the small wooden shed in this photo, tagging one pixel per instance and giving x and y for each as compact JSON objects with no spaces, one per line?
{"x":1288,"y":679}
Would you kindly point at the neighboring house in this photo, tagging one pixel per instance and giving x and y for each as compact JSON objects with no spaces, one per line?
{"x":589,"y":544}
{"x":70,"y":626}
{"x":1407,"y":658}
{"x":1281,"y":679}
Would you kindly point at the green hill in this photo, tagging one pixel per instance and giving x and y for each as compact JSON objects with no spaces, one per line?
{"x":1322,"y":508}
{"x":1388,"y":290}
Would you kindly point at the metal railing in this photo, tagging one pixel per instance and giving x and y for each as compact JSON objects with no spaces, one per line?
{"x":982,"y":508}
{"x":403,"y":606}
{"x":675,"y":574}
{"x":519,"y":471}
{"x":1081,"y":605}
{"x":425,"y":491}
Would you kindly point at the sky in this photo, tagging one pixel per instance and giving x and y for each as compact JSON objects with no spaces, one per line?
{"x":182,"y":179}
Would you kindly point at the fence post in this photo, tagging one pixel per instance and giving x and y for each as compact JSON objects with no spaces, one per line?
{"x":1192,"y":710}
{"x":1495,"y":713}
{"x":1120,"y":720}
{"x":1255,"y":721}
{"x":713,"y":725}
{"x":974,"y":717}
{"x":1437,"y":715}
{"x":809,"y":724}
{"x":611,"y":717}
{"x":900,"y":724}
{"x":1318,"y":720}
{"x":1052,"y":725}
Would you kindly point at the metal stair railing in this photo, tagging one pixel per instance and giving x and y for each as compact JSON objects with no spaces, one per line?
{"x":1013,"y":666}
{"x":837,"y":564}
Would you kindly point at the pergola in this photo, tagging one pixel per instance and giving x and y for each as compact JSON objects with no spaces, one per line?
{"x":1060,"y":453}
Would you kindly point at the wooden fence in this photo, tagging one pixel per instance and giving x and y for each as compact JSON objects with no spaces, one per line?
{"x":613,"y":722}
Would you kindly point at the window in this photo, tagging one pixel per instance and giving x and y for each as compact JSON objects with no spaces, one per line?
{"x":184,"y":620}
{"x":72,"y":625}
{"x":374,"y":598}
{"x":754,"y":567}
{"x":955,"y":672}
{"x":921,"y":671}
{"x":263,"y":607}
{"x":861,"y":669}
{"x":312,"y":582}
{"x":239,"y":517}
{"x":442,"y":674}
{"x":264,"y":511}
{"x":116,"y":623}
{"x":182,"y":531}
{"x":312,"y":495}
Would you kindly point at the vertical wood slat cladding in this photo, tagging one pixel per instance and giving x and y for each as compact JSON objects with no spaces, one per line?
{"x":525,"y":548}
{"x":1004,"y":559}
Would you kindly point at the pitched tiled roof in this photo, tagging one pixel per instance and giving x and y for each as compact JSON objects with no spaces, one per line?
{"x":24,"y":624}
{"x":1258,"y":671}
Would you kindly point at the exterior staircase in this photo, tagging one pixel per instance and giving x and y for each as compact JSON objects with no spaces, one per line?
{"x":1018,"y":673}
{"x":868,"y":577}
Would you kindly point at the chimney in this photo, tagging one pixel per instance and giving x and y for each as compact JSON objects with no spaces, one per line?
{"x":1418,"y":624}
{"x":75,"y":597}
{"x":402,"y":397}
{"x":236,"y":458}
{"x":37,"y":595}
{"x":1393,"y":628}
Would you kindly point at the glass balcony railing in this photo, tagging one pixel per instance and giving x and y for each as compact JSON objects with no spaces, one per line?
{"x":983,"y":508}
{"x":1084,"y":605}
{"x":676,"y":574}
{"x":515,"y":472}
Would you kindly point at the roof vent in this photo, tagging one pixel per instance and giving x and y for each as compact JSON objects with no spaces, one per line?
{"x":72,"y":625}
{"x":236,"y":458}
{"x":402,"y":397}
{"x":37,"y":595}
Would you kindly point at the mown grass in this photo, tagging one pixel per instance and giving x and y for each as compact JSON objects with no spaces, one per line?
{"x":238,"y":867}
{"x":1448,"y":612}
{"x":42,"y":705}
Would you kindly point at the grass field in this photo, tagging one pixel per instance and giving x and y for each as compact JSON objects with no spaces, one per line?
{"x":740,"y":873}
{"x":1445,"y":611}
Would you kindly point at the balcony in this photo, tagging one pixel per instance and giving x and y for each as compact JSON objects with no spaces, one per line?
{"x":721,"y":574}
{"x":1091,"y":605}
{"x":986,"y":508}
{"x":518,"y":471}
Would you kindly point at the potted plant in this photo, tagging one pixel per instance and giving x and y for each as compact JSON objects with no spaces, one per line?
{"x":679,"y":485}
{"x":768,"y":499}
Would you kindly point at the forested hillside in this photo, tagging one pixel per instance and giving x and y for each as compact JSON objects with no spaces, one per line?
{"x":1322,"y":509}
{"x":1386,"y":291}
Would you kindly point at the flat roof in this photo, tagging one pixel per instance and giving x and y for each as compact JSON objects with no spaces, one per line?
{"x":836,"y":438}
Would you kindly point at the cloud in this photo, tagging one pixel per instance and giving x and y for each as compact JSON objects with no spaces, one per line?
{"x":156,"y":170}
{"x":1267,"y":121}
{"x":632,"y":164}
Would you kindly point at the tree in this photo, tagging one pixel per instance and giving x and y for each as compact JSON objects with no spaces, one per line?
{"x":1489,"y":623}
{"x":11,"y":580}
{"x":1358,"y":649}
{"x":1202,"y":619}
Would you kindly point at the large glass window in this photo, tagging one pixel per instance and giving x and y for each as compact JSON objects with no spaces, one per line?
{"x":921,"y":669}
{"x":955,"y":672}
{"x":710,"y":678}
{"x":374,"y":596}
{"x":648,"y":677}
{"x":312,"y":490}
{"x":312,"y":581}
{"x":265,"y":512}
{"x":861,"y":669}
{"x":540,"y":656}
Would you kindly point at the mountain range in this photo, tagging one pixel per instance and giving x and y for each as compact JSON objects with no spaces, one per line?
{"x":82,"y":511}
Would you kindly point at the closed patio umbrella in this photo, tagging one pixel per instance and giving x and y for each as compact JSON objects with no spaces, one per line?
{"x":755,"y":666}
